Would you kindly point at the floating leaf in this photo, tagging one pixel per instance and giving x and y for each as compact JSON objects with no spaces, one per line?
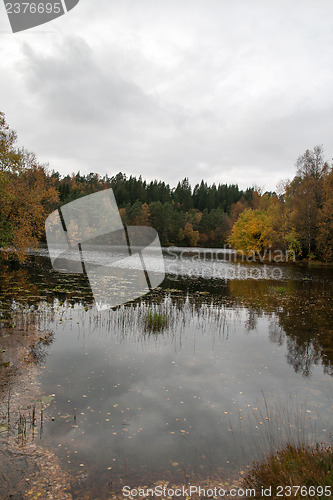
{"x":47,"y":399}
{"x":3,"y":427}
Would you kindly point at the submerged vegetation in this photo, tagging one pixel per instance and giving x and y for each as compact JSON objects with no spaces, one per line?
{"x":27,"y":468}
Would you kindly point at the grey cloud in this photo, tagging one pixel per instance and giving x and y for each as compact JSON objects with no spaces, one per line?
{"x":70,"y":85}
{"x":231,"y":92}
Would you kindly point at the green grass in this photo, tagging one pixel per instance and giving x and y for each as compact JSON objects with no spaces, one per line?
{"x":282,"y":290}
{"x":294,"y":466}
{"x":155,"y":322}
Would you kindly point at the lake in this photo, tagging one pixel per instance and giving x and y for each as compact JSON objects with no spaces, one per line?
{"x":238,"y":361}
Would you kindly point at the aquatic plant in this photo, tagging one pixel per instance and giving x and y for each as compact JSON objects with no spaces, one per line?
{"x":155,"y":321}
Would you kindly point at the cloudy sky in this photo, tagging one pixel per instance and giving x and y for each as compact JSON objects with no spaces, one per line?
{"x":228,"y":91}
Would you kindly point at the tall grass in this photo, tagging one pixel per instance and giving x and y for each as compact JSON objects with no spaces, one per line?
{"x":155,"y":322}
{"x":267,"y":426}
{"x":293,"y":466}
{"x":284,"y":439}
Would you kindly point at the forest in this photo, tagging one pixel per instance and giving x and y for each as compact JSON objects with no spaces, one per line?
{"x":297,"y":218}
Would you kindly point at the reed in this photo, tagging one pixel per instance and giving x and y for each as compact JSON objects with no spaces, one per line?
{"x":155,"y":322}
{"x":287,"y":449}
{"x":311,"y":468}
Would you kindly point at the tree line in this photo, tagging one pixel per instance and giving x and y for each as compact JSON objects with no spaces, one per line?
{"x":182,"y":216}
{"x":129,"y":190}
{"x":297,"y":218}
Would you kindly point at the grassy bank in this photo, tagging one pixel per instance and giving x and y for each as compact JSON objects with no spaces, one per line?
{"x":310,"y":467}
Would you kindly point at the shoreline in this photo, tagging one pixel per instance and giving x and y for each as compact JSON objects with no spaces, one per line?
{"x":10,"y":255}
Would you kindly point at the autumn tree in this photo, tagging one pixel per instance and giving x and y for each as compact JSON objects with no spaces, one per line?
{"x":191,"y":237}
{"x":252,"y":233}
{"x":237,"y":209}
{"x":311,"y":163}
{"x":304,"y":196}
{"x":27,"y":194}
{"x":325,"y":221}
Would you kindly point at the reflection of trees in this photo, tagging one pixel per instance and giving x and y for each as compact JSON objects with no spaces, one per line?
{"x":39,"y":349}
{"x":251,"y":321}
{"x":20,"y":351}
{"x":22,"y":288}
{"x":302,"y":355}
{"x":14,"y":286}
{"x":307,"y":319}
{"x":300,"y":311}
{"x":303,"y":312}
{"x":275,"y":333}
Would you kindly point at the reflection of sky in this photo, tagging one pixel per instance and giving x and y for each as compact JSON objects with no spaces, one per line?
{"x":144,"y":402}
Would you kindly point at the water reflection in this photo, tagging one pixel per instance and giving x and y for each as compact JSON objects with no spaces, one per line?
{"x":304,"y":310}
{"x":198,"y":394}
{"x":184,"y":396}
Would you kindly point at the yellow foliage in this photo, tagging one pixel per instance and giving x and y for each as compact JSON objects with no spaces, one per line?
{"x":252,"y":233}
{"x":27,"y":195}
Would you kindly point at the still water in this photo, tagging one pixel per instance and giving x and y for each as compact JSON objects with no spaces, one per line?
{"x":238,"y":362}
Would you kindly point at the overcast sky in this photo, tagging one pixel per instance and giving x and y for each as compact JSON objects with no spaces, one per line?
{"x":228,"y":91}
